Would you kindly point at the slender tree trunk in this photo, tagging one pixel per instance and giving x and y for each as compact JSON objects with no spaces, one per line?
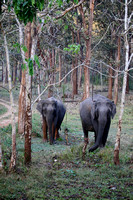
{"x":38,"y":81}
{"x":21,"y":104}
{"x":13,"y":156}
{"x":116,"y":73}
{"x":127,"y":85}
{"x":4,"y":75}
{"x":22,"y":93}
{"x":0,"y":156}
{"x":117,"y":143}
{"x":81,"y":59}
{"x":101,"y":77}
{"x":28,"y":114}
{"x":88,"y":35}
{"x":110,"y":81}
{"x":74,"y":73}
{"x":60,"y":67}
{"x":31,"y":47}
{"x":50,"y":91}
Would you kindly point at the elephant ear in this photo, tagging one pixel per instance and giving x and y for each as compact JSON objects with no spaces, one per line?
{"x":40,"y":106}
{"x":113,"y":109}
{"x":94,"y":110}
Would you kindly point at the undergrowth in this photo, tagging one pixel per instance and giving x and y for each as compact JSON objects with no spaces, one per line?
{"x":59,"y":171}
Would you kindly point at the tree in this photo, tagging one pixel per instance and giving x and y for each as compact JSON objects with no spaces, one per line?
{"x":13,"y":156}
{"x":88,"y":38}
{"x":127,"y":21}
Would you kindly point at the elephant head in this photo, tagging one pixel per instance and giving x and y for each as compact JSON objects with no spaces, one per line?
{"x":103,"y":109}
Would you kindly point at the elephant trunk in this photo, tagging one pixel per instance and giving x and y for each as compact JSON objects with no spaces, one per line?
{"x":51,"y":131}
{"x":99,"y":137}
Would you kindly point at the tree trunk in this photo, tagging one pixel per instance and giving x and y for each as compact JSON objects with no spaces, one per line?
{"x":28,"y":114}
{"x":21,"y":104}
{"x":50,"y":91}
{"x":60,"y":67}
{"x":13,"y":156}
{"x":127,"y":62}
{"x":74,"y":73}
{"x":81,"y":60}
{"x":4,"y":74}
{"x":0,"y":156}
{"x":22,"y":93}
{"x":38,"y":81}
{"x":88,"y":35}
{"x":101,"y":77}
{"x":110,"y":81}
{"x":116,"y":73}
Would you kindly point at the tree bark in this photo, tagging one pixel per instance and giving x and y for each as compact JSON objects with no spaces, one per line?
{"x":50,"y":91}
{"x":28,"y":114}
{"x":88,"y":38}
{"x":13,"y":156}
{"x":127,"y":62}
{"x":60,"y":68}
{"x":0,"y":156}
{"x":74,"y":73}
{"x":116,"y":73}
{"x":110,"y":81}
{"x":22,"y":93}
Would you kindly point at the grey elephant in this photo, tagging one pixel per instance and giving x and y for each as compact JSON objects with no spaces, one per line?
{"x":53,"y":112}
{"x":96,"y":117}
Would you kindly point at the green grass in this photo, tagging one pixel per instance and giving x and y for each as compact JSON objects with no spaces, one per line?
{"x":59,"y":172}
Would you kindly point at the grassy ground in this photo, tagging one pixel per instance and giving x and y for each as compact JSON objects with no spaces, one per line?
{"x":3,"y":109}
{"x":58,"y":171}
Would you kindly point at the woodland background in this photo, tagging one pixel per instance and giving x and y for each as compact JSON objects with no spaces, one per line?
{"x":70,"y":50}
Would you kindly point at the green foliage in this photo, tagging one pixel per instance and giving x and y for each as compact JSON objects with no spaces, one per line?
{"x":37,"y":60}
{"x":18,"y":46}
{"x":30,"y":65}
{"x":26,"y":10}
{"x":74,"y":48}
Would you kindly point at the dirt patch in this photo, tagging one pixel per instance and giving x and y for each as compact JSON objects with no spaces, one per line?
{"x":5,"y":119}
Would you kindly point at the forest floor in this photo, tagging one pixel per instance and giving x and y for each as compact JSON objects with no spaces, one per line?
{"x":58,"y":171}
{"x":5,"y":118}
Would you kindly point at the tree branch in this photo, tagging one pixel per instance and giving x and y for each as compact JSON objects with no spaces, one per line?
{"x":71,"y":8}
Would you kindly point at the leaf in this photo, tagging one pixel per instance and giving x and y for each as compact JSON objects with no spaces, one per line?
{"x":66,"y":27}
{"x":33,"y":2}
{"x":24,"y":48}
{"x":60,"y":2}
{"x":74,"y":48}
{"x":30,"y":65}
{"x":76,"y":1}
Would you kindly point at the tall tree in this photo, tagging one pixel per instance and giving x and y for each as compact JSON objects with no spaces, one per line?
{"x":88,"y":38}
{"x":127,"y":21}
{"x":13,"y":156}
{"x":116,"y":72}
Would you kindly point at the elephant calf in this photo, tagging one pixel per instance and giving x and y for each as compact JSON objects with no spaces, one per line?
{"x":96,"y":117}
{"x":53,"y":112}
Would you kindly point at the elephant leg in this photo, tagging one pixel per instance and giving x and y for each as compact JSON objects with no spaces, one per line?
{"x":85,"y":142}
{"x":95,"y":135}
{"x":45,"y":130}
{"x":54,"y":131}
{"x":56,"y":134}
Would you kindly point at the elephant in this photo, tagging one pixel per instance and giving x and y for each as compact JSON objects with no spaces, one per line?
{"x":95,"y":114}
{"x":53,"y":112}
